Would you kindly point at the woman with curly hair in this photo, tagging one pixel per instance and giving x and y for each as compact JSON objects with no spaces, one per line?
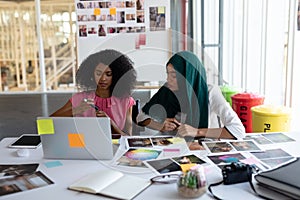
{"x":105,"y":81}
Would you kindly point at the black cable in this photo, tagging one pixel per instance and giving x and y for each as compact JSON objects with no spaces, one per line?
{"x":252,"y":186}
{"x":249,"y":176}
{"x":212,"y":185}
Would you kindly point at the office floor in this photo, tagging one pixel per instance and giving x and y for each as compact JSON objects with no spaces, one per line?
{"x":18,"y":112}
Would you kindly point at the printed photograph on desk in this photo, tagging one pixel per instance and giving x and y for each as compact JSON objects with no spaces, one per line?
{"x":19,"y":169}
{"x":173,"y":165}
{"x":152,"y":142}
{"x":134,"y":157}
{"x":245,"y":145}
{"x":222,"y":160}
{"x":278,"y":137}
{"x":162,"y":141}
{"x":218,"y":147}
{"x":21,"y":183}
{"x":188,"y":159}
{"x":258,"y":138}
{"x":226,"y":159}
{"x":139,"y":142}
{"x":163,"y":166}
{"x":273,"y":158}
{"x":277,"y":162}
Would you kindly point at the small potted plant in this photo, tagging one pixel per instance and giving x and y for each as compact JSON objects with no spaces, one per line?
{"x":192,"y":183}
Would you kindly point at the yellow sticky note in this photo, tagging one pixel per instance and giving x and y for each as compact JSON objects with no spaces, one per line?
{"x":97,"y":11}
{"x":177,"y":140}
{"x":112,"y":11}
{"x":76,"y":140}
{"x":115,"y":141}
{"x":45,"y":126}
{"x":186,"y":167}
{"x":161,"y":10}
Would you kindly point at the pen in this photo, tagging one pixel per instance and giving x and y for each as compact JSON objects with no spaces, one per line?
{"x":94,"y":106}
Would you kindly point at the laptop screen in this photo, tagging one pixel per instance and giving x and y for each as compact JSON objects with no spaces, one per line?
{"x":75,"y":137}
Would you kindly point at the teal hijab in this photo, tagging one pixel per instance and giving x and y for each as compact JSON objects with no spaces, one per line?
{"x":192,"y":79}
{"x":192,"y":96}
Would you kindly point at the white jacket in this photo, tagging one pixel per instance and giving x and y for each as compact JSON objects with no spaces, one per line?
{"x":219,"y":107}
{"x":220,"y":114}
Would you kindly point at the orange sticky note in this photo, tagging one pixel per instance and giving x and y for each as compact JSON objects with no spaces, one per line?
{"x":186,"y":167}
{"x":45,"y":126}
{"x":76,"y":140}
{"x":112,"y":11}
{"x":97,"y":11}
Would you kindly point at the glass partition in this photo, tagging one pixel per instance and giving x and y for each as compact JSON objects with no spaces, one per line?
{"x":19,"y":57}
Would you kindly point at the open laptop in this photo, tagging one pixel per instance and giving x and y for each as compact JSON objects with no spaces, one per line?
{"x":75,"y":137}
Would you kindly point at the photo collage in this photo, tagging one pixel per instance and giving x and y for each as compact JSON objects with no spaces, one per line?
{"x":103,"y":18}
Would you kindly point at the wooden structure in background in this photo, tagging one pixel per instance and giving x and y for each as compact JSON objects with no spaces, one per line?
{"x":19,"y":44}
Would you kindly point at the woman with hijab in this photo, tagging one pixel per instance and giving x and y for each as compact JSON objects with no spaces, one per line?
{"x":188,"y":106}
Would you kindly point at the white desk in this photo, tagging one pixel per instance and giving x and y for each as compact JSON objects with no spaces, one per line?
{"x":71,"y":170}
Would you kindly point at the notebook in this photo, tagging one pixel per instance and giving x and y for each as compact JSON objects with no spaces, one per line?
{"x":284,"y":179}
{"x":75,"y":137}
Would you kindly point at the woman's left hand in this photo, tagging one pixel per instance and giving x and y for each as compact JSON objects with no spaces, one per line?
{"x":187,"y":130}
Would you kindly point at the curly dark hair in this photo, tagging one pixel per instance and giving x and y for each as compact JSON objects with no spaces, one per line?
{"x":123,"y":72}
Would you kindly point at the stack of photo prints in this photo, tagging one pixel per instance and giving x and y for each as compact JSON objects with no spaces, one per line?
{"x":21,"y":177}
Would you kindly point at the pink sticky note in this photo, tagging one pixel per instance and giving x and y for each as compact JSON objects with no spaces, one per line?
{"x":142,"y":39}
{"x":250,"y":161}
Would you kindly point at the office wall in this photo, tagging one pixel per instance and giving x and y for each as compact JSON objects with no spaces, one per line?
{"x":147,"y":44}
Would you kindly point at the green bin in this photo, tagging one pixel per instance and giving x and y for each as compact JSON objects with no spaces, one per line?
{"x":228,"y":91}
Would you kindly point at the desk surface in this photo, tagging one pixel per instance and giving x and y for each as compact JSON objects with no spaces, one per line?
{"x":72,"y":170}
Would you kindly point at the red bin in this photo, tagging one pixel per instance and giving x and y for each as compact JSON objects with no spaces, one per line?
{"x":242,"y":104}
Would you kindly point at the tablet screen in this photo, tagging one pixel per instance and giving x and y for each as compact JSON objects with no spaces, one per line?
{"x":27,"y":141}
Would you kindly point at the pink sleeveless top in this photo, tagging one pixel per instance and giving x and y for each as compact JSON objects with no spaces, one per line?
{"x":115,"y":107}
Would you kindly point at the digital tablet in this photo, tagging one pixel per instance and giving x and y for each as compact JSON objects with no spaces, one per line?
{"x":30,"y":141}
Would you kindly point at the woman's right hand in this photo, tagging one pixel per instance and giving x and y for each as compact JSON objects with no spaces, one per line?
{"x":81,"y":108}
{"x":170,"y":124}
